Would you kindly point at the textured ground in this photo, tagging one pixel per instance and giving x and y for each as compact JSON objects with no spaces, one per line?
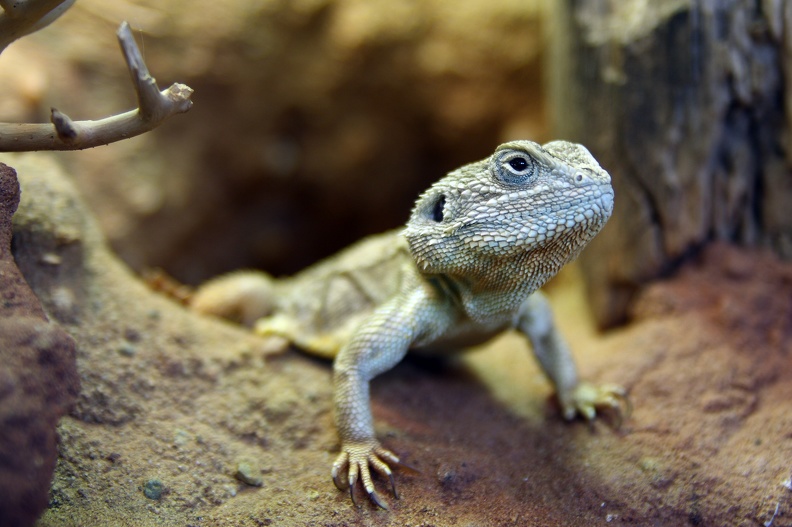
{"x":172,"y":404}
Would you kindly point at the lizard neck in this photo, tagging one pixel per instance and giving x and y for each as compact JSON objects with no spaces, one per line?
{"x":499,"y":290}
{"x":496,"y":287}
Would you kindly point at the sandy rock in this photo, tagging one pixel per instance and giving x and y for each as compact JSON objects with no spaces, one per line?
{"x":38,"y":381}
{"x":706,"y":361}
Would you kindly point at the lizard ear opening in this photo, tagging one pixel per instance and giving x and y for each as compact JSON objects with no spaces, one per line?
{"x":430,"y":210}
{"x":438,"y":208}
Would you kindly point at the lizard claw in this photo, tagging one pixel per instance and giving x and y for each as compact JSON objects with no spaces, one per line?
{"x":373,"y":496}
{"x":352,"y":491}
{"x":393,"y":486}
{"x":586,"y":398}
{"x":339,"y":464}
{"x":359,"y":459}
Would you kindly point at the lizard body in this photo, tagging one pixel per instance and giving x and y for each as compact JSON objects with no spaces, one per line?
{"x":467,"y":266}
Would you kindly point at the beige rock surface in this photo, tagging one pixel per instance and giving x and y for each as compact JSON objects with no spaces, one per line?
{"x":172,"y":398}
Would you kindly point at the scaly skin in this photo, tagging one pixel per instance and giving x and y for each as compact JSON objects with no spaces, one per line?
{"x":478,"y":245}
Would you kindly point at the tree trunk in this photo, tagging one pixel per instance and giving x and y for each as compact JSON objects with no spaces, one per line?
{"x":683,"y":102}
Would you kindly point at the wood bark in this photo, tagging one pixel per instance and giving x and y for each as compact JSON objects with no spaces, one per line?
{"x":685,"y":103}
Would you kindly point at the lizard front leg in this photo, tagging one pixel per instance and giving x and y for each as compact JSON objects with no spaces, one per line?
{"x":379,"y":343}
{"x":535,"y":321}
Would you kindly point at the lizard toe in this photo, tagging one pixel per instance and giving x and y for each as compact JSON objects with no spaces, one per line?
{"x":587,"y":398}
{"x":383,"y":468}
{"x":359,"y":460}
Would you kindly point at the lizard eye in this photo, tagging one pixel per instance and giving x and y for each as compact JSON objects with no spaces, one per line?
{"x":514,"y":167}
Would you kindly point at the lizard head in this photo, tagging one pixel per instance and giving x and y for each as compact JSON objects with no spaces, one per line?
{"x":522,"y":213}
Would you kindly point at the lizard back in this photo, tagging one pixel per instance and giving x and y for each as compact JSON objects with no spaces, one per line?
{"x":319,"y":307}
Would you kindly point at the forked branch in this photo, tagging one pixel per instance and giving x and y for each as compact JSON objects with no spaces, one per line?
{"x":154,"y":106}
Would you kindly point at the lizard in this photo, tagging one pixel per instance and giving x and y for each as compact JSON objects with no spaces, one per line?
{"x":467,"y":266}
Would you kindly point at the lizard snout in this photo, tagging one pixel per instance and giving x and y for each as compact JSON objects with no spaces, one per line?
{"x":606,"y":201}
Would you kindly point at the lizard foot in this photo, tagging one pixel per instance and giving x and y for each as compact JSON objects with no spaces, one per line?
{"x":360,"y":457}
{"x":586,"y":398}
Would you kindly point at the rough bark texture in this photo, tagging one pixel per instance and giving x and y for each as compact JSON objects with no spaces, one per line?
{"x":38,"y":381}
{"x":683,"y":102}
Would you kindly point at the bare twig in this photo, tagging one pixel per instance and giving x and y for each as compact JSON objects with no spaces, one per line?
{"x":22,"y":17}
{"x":154,"y":106}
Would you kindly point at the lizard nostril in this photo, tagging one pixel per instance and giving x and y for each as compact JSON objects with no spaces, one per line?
{"x":438,"y":208}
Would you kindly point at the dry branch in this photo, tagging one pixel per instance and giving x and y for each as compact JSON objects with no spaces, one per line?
{"x":154,"y":106}
{"x":22,"y":17}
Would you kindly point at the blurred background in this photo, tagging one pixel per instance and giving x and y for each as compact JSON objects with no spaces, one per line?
{"x":315,"y":122}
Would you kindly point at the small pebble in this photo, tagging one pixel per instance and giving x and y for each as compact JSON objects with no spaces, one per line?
{"x":132,"y":335}
{"x":181,"y":438}
{"x":127,"y":350}
{"x":313,"y":495}
{"x":249,"y":474}
{"x":51,"y":259}
{"x":153,"y":489}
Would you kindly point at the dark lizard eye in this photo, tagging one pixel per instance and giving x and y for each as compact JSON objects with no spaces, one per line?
{"x":439,"y":207}
{"x":514,"y":167}
{"x":518,"y":163}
